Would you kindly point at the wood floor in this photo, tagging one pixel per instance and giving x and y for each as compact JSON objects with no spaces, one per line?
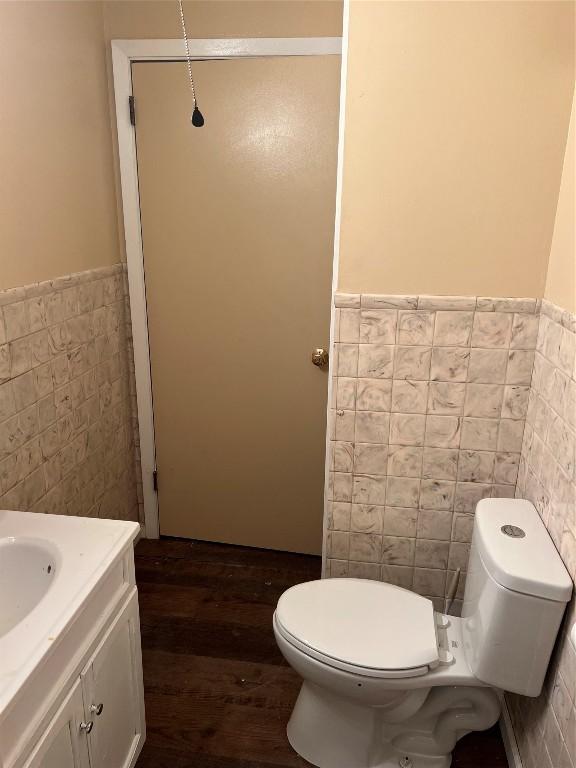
{"x":218,"y":692}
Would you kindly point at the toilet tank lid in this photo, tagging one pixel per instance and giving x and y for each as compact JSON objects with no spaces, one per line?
{"x":517,"y":550}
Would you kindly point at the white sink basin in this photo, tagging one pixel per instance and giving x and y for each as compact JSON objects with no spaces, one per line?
{"x":50,"y":567}
{"x":28,"y":567}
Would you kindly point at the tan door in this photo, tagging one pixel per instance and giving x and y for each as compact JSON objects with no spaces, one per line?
{"x":238,"y":221}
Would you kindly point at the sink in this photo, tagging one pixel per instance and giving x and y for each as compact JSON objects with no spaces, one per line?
{"x":28,"y":568}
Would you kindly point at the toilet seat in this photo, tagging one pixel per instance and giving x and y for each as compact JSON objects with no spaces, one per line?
{"x":367,"y":627}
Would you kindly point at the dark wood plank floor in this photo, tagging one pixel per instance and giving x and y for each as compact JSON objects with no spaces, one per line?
{"x":218,"y":692}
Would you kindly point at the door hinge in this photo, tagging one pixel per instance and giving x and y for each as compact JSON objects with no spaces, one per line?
{"x":132,"y":110}
{"x":155,"y":480}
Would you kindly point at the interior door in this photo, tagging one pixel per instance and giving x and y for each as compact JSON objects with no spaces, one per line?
{"x":238,"y":222}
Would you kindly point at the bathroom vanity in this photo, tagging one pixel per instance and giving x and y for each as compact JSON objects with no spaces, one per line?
{"x":71,"y":693}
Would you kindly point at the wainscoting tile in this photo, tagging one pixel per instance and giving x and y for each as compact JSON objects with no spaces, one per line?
{"x":67,"y":423}
{"x":430,"y":401}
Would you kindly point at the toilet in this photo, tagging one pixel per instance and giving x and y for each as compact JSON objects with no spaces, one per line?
{"x":388,"y":682}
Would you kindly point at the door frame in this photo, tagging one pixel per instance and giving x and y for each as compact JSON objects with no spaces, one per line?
{"x":124,"y":54}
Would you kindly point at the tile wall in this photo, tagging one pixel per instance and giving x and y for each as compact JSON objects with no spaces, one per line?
{"x":67,"y":416}
{"x":429,"y":402}
{"x":546,"y":727}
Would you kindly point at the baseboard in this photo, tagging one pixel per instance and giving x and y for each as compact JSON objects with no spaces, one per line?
{"x":509,"y":738}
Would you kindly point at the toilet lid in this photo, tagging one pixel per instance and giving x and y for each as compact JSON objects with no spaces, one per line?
{"x":361,"y":623}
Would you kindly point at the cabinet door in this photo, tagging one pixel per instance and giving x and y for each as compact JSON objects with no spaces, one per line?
{"x":113,"y":693}
{"x":63,"y":744}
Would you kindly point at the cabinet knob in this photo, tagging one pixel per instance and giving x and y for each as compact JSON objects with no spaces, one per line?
{"x":97,"y":709}
{"x":86,"y":727}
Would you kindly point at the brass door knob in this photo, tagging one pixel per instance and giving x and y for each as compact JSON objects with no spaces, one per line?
{"x":320,"y":357}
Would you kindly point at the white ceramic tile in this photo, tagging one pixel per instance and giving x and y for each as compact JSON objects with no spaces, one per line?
{"x":345,"y":393}
{"x":415,"y":327}
{"x":409,"y":396}
{"x":431,"y":554}
{"x":372,"y":427}
{"x":515,"y":402}
{"x":492,"y":329}
{"x":343,"y":456}
{"x":524,"y":331}
{"x":404,"y":461}
{"x":476,"y":466}
{"x":374,"y":394}
{"x":412,"y":363}
{"x":400,"y":521}
{"x":347,"y":360}
{"x":446,"y":398}
{"x":443,"y":303}
{"x":369,"y":489}
{"x":434,"y":524}
{"x":520,"y":365}
{"x":376,"y":361}
{"x":468,"y":495}
{"x":339,"y":515}
{"x":378,"y":326}
{"x":479,"y":434}
{"x":442,"y":432}
{"x":402,"y":491}
{"x":506,"y":468}
{"x":399,"y":575}
{"x":367,"y":518}
{"x":440,"y":463}
{"x":449,"y":364}
{"x":407,"y":429}
{"x":347,"y":300}
{"x":349,"y":326}
{"x":366,"y":547}
{"x":484,"y":400}
{"x":393,"y":301}
{"x":453,"y":329}
{"x":370,"y":458}
{"x":487,"y":366}
{"x":437,"y":494}
{"x":488,"y":304}
{"x":429,"y":582}
{"x":397,"y":550}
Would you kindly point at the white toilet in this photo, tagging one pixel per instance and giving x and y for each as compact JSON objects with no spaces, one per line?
{"x":389,"y":682}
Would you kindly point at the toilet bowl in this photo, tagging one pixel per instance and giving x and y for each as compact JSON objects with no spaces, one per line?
{"x":389,"y":682}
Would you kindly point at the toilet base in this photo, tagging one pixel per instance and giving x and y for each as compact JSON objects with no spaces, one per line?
{"x":332,"y":732}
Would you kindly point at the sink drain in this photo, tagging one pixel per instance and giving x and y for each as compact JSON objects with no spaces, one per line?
{"x":405,"y":762}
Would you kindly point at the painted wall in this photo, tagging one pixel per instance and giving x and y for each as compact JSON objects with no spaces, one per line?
{"x":57,"y":191}
{"x":456,"y":124}
{"x":561,"y":277}
{"x":223,"y":18}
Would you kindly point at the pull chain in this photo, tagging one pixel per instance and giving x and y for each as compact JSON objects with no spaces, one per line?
{"x":197,"y":117}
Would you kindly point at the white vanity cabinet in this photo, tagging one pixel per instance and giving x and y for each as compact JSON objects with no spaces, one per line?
{"x":112,"y":695}
{"x":100,"y":723}
{"x":81,"y":704}
{"x":62,"y":746}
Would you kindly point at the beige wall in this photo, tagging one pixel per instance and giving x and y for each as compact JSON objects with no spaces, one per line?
{"x":456,"y":124}
{"x":561,"y":277}
{"x":223,"y":18}
{"x":56,"y":183}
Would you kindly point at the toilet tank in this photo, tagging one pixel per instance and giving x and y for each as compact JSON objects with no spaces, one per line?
{"x":516,"y":591}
